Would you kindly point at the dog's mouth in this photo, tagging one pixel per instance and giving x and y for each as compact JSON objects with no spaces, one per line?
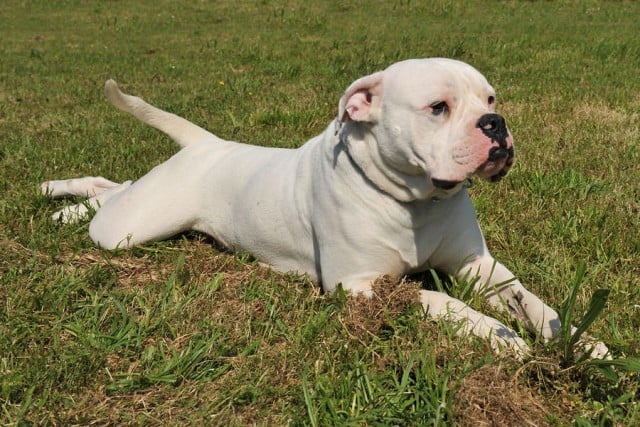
{"x":493,"y":170}
{"x":497,"y":165}
{"x":443,"y":184}
{"x":501,"y":153}
{"x":494,"y":137}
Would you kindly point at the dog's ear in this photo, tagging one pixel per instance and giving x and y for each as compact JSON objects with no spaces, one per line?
{"x":361,"y":98}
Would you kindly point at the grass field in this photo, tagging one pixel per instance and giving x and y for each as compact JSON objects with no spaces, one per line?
{"x":180,"y":332}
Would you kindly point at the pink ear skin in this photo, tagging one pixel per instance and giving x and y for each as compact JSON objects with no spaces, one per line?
{"x":359,"y":98}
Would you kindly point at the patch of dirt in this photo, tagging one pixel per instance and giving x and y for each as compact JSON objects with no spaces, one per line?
{"x":129,"y":269}
{"x":13,"y":254}
{"x":491,"y":396}
{"x":369,"y":316}
{"x":600,"y":112}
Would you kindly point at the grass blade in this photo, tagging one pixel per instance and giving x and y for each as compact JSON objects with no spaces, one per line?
{"x":566,"y":312}
{"x":596,"y":305}
{"x":308,"y":402}
{"x":629,"y":364}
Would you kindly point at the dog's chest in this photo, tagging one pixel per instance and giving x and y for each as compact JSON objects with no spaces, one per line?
{"x":421,"y":230}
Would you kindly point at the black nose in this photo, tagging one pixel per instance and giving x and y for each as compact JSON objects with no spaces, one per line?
{"x":494,"y":127}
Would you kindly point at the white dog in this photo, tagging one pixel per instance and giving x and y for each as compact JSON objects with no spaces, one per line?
{"x":380,"y":192}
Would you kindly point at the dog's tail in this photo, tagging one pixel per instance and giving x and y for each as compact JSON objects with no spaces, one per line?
{"x":180,"y":130}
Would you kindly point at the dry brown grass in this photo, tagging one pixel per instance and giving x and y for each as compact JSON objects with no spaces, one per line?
{"x":495,"y":395}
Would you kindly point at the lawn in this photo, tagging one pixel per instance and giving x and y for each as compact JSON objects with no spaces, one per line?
{"x":183,"y":332}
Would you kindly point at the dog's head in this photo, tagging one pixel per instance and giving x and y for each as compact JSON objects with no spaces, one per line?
{"x":424,"y":126}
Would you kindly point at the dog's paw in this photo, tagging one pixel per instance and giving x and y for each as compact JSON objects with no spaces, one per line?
{"x":590,"y":346}
{"x":71,"y":214}
{"x":46,"y":188}
{"x":595,"y":349}
{"x":512,"y":344}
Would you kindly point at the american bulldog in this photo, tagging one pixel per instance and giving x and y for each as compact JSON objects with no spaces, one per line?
{"x":380,"y":192}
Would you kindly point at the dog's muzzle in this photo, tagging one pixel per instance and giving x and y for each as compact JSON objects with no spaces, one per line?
{"x":494,"y":127}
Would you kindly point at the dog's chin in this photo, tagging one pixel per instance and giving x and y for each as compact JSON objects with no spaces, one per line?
{"x":492,"y":175}
{"x":494,"y":171}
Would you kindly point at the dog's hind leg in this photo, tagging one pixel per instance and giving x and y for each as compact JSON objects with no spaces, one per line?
{"x":88,"y":186}
{"x":161,"y":204}
{"x":182,"y":131}
{"x":96,"y":188}
{"x":78,"y":212}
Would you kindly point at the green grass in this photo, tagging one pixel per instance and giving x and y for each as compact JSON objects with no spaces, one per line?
{"x":181,"y":333}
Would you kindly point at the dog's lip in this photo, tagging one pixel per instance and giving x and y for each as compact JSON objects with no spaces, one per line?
{"x":497,"y":177}
{"x":497,"y":165}
{"x":444,"y":184}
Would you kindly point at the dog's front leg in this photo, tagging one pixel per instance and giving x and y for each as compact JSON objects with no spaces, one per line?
{"x":503,"y":291}
{"x":439,"y":305}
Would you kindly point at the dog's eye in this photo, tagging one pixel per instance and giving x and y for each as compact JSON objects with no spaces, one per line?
{"x":438,"y":108}
{"x":491,"y":100}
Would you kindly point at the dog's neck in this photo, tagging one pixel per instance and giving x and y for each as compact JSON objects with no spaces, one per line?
{"x":360,"y":145}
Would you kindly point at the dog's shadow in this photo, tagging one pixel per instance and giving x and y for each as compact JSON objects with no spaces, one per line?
{"x":430,"y":279}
